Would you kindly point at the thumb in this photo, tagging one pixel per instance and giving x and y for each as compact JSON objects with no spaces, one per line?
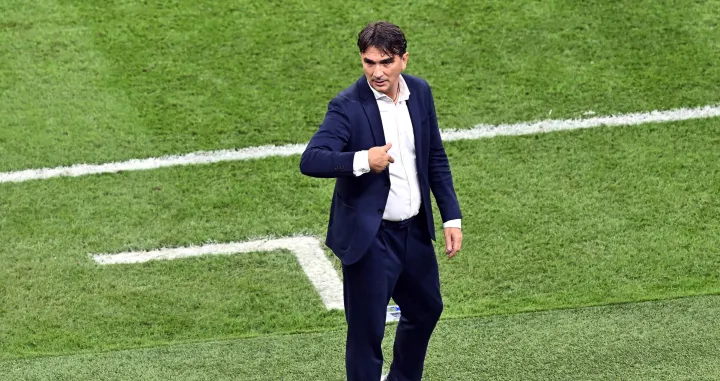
{"x":386,"y":147}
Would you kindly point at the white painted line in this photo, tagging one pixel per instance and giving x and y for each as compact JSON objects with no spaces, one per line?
{"x":308,"y":251}
{"x":478,"y":132}
{"x":202,"y":157}
{"x":488,"y":131}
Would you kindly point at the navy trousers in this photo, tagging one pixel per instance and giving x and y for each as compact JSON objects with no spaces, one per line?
{"x":401,"y":264}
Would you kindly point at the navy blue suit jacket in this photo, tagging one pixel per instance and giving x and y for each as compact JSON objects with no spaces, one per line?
{"x":352,"y":123}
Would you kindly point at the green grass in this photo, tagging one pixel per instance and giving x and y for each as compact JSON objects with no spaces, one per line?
{"x":98,"y":81}
{"x":671,"y":340}
{"x":85,"y":308}
{"x":551,"y":221}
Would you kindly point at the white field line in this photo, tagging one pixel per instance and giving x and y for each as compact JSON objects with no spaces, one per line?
{"x":201,"y":157}
{"x":478,"y":132}
{"x":488,"y":131}
{"x":308,"y":251}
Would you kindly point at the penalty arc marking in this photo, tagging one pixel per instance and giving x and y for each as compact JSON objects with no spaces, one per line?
{"x":308,"y":251}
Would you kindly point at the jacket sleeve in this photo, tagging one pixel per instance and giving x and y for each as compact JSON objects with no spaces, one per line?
{"x":325,"y":154}
{"x":439,"y":175}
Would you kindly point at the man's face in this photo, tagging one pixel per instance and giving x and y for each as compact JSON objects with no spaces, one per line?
{"x":382,"y":71}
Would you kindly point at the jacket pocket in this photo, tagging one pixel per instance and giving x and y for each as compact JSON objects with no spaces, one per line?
{"x":343,"y":202}
{"x":342,"y":228}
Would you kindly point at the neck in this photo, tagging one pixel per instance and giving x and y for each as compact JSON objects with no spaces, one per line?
{"x":396,"y":94}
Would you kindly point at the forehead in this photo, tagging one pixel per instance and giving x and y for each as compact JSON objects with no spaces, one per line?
{"x":375,"y":54}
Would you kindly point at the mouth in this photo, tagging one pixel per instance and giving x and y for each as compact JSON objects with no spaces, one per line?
{"x":379,"y":83}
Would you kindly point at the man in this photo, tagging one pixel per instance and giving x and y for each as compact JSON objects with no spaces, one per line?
{"x":380,"y":141}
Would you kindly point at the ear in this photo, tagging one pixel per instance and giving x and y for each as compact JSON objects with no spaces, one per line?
{"x":404,"y":60}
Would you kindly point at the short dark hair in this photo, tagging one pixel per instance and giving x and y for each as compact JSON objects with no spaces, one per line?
{"x":384,"y":36}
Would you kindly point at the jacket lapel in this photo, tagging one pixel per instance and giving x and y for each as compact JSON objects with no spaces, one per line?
{"x":416,"y":119}
{"x":372,"y":111}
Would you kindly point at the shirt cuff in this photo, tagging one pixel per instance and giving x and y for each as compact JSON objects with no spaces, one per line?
{"x":361,"y":165}
{"x":452,"y":224}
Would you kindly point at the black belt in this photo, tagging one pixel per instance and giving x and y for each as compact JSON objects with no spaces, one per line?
{"x":397,"y":224}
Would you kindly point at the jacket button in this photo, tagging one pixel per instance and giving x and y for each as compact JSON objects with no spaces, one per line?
{"x":380,"y":211}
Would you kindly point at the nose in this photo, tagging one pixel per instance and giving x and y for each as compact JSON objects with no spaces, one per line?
{"x":377,"y":72}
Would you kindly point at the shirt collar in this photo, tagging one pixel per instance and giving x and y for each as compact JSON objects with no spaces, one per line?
{"x":404,"y":93}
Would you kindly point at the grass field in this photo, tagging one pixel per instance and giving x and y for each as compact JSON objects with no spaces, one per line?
{"x":588,"y":254}
{"x":673,"y":340}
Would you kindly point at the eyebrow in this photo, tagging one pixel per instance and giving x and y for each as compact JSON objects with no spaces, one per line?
{"x":385,"y":61}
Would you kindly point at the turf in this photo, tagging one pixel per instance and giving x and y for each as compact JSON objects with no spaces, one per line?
{"x":99,"y":81}
{"x":551,"y":221}
{"x":669,"y":340}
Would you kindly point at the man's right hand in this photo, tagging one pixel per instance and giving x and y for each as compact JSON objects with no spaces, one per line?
{"x":379,"y":159}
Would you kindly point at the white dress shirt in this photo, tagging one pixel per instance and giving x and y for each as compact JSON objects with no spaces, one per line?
{"x":404,"y":199}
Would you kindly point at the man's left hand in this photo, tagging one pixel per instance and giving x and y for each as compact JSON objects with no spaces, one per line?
{"x":453,"y":241}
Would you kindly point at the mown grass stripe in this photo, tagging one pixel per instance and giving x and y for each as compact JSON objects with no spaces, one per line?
{"x":478,"y":132}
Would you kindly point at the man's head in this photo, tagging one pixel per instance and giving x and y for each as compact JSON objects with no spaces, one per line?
{"x":384,"y":56}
